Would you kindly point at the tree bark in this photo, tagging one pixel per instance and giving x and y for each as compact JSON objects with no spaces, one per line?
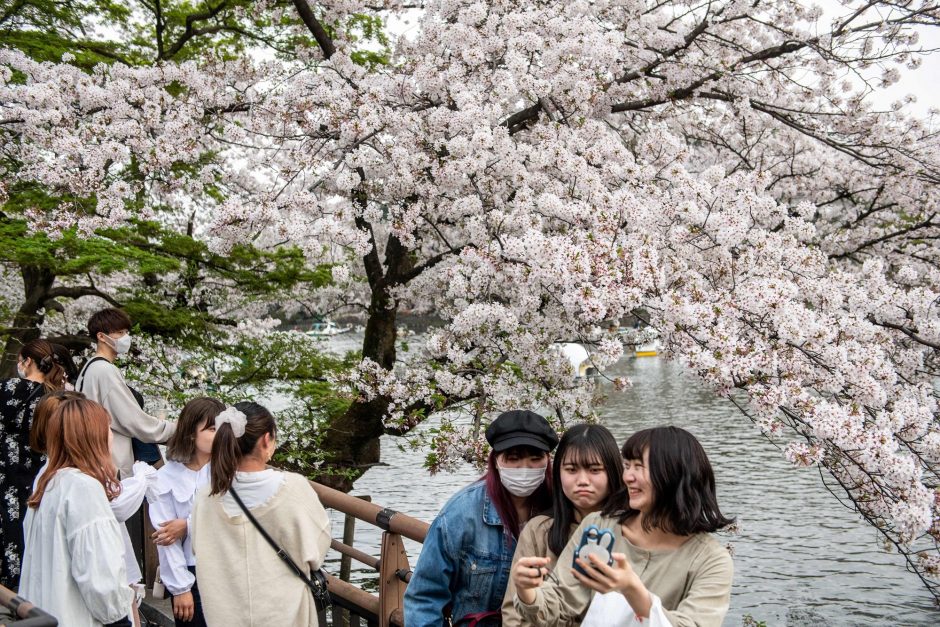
{"x":351,"y":442}
{"x":37,"y":283}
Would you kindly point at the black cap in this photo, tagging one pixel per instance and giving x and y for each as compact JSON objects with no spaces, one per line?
{"x":521,"y":427}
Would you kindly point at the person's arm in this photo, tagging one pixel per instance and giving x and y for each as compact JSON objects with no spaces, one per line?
{"x":561,"y":597}
{"x":127,"y":418}
{"x":133,"y":490}
{"x":430,"y":588}
{"x":97,"y":567}
{"x":174,"y":570}
{"x":532,"y":543}
{"x":710,"y":592}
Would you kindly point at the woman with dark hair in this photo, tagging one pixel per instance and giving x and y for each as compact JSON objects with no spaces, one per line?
{"x":242,"y":579}
{"x":73,"y":565}
{"x":171,"y":503}
{"x":466,"y":556}
{"x":589,"y":472}
{"x":666,"y":567}
{"x":39,"y":373}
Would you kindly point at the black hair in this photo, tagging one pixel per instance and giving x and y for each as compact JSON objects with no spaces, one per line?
{"x":108,"y":321}
{"x":583,"y":445}
{"x":684,"y":500}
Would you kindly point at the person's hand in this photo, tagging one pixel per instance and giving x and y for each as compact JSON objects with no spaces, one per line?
{"x":170,"y":531}
{"x":619,"y":576}
{"x":184,"y":607}
{"x":529,"y":572}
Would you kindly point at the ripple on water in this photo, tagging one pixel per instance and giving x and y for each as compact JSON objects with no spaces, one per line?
{"x":801,"y":559}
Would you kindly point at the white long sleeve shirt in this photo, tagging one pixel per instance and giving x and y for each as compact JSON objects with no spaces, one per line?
{"x":73,"y":563}
{"x":125,"y":505}
{"x":101,"y":381}
{"x":172,"y":497}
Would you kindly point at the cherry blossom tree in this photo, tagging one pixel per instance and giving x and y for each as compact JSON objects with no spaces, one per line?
{"x":529,"y":171}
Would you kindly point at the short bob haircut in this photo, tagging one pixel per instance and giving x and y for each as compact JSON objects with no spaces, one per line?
{"x":197,"y":415}
{"x":684,"y":500}
{"x":583,"y":445}
{"x":108,"y":321}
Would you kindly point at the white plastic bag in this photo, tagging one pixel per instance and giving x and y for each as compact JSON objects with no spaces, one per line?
{"x":612,"y":610}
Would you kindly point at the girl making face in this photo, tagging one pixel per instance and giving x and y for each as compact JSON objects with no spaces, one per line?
{"x":588,"y":469}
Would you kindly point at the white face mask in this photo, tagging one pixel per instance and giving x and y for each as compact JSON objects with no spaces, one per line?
{"x":20,"y":371}
{"x":120,"y":345}
{"x":521,"y":481}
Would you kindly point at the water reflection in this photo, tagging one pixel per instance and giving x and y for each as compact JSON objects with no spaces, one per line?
{"x":800,"y":559}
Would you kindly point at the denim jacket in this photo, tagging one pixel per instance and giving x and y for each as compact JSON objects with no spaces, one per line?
{"x":464,"y":562}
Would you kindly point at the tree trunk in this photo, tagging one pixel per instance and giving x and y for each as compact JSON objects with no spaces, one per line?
{"x":37,"y":281}
{"x":351,"y":442}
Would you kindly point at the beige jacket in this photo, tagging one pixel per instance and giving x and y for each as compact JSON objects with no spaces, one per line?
{"x":103,"y":382}
{"x":693,"y":581}
{"x":533,"y":542}
{"x":241,"y":579}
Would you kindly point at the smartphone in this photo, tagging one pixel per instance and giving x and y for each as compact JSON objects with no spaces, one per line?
{"x":594,"y":541}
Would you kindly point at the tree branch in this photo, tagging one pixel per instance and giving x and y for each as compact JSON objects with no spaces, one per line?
{"x":315,"y":28}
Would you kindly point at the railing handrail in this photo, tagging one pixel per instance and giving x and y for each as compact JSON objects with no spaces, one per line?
{"x":28,"y":614}
{"x":381,"y":517}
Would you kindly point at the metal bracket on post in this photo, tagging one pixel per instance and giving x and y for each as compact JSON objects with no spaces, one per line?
{"x":383,"y":519}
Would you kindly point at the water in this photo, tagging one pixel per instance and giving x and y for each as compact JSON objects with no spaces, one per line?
{"x":800,"y":559}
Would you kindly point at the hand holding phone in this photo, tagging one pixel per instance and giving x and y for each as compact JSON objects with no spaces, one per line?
{"x":594,"y":541}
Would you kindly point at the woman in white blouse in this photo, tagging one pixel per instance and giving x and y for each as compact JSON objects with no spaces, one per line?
{"x":171,"y":503}
{"x":73,"y":565}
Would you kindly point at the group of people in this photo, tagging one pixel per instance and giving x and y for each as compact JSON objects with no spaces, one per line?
{"x":70,"y":481}
{"x":599,"y":535}
{"x":525,"y":544}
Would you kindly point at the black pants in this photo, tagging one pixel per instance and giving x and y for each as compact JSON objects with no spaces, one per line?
{"x":198,"y":619}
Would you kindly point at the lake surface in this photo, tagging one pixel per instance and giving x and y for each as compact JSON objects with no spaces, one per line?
{"x":800,"y":558}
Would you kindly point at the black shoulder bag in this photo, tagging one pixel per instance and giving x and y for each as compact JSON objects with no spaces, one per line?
{"x":317,"y":579}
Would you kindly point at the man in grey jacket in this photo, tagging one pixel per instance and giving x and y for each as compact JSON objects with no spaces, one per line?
{"x":101,"y":381}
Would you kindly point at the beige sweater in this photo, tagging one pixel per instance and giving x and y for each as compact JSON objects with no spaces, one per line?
{"x":103,"y":382}
{"x":241,"y":579}
{"x":533,"y":542}
{"x":693,"y":581}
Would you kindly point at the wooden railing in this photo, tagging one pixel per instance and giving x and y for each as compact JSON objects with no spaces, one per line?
{"x":24,"y":613}
{"x":387,"y":607}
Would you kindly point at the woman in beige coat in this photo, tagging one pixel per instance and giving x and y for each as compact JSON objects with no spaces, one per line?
{"x":241,"y":578}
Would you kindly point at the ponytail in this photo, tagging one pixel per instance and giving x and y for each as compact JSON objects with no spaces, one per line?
{"x":228,"y":451}
{"x":47,"y":363}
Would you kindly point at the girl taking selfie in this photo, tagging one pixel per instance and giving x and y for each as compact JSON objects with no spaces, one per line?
{"x":665,"y":567}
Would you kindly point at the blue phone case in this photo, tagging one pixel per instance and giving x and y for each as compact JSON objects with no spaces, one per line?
{"x":594,"y":541}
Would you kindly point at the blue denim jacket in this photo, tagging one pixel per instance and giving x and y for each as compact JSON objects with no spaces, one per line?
{"x":465,"y":561}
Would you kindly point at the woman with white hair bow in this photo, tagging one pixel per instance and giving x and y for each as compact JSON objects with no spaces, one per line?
{"x":242,"y":578}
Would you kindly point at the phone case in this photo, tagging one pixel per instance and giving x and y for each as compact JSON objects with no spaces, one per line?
{"x":594,"y":541}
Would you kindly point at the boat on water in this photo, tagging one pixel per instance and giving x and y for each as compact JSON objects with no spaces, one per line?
{"x":650,"y":349}
{"x":327,"y":328}
{"x":644,"y":341}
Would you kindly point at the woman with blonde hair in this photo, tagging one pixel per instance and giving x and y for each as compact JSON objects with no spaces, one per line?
{"x":39,"y":373}
{"x":73,"y":564}
{"x":245,"y":497}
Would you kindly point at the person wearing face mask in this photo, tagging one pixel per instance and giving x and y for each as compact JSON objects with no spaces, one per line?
{"x":38,"y":373}
{"x":463,"y":569}
{"x":101,"y":381}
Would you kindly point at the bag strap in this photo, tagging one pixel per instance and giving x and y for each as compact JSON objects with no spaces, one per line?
{"x":80,"y":379}
{"x":281,"y":553}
